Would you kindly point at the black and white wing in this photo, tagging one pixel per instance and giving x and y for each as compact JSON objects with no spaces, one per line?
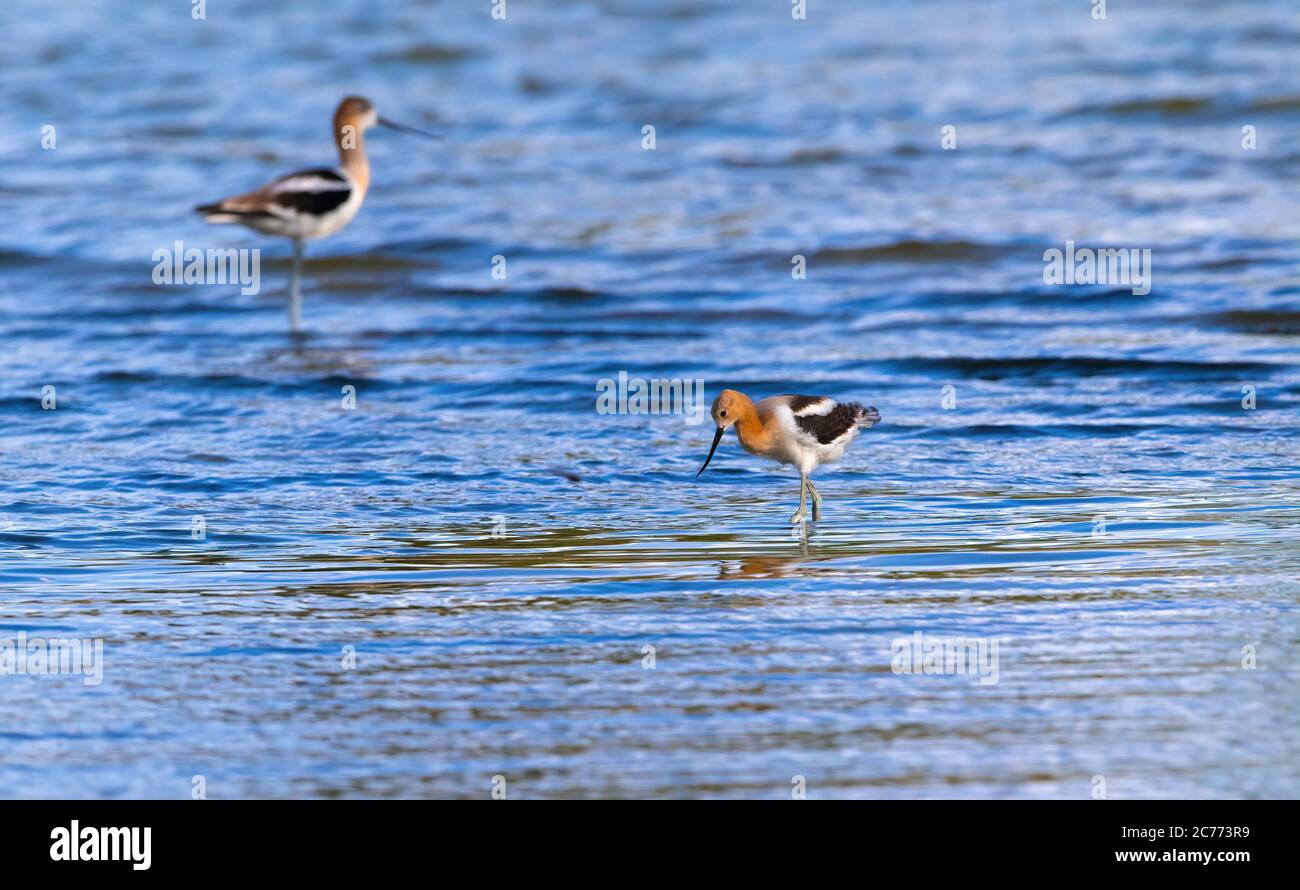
{"x":314,"y":192}
{"x":828,"y":422}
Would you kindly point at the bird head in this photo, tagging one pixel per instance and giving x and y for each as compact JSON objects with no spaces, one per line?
{"x":360,"y":114}
{"x":727,"y":409}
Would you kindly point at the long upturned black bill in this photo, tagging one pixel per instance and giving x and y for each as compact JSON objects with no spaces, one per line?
{"x":403,"y":128}
{"x":717,"y":437}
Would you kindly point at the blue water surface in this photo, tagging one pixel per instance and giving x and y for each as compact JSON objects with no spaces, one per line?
{"x":535,"y":590}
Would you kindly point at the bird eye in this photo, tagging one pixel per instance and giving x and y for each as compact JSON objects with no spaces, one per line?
{"x":722,"y":413}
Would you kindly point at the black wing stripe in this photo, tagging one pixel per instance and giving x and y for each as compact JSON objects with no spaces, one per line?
{"x":841,"y":419}
{"x":314,"y":203}
{"x":220,"y":209}
{"x":315,"y":172}
{"x":798,"y":403}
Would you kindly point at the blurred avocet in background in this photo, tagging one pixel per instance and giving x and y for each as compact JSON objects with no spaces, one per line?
{"x":311,"y":203}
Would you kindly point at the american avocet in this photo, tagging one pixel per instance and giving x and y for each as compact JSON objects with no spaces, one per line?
{"x":311,"y":203}
{"x":805,"y":431}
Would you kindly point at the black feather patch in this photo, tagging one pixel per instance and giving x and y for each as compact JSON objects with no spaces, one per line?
{"x":218,"y":208}
{"x":317,"y":172}
{"x":315,"y":203}
{"x":827,"y":428}
{"x":316,"y":191}
{"x":798,"y":403}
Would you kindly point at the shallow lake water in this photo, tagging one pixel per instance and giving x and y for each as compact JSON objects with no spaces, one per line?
{"x":473,"y":573}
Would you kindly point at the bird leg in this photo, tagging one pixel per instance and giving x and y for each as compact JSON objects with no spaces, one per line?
{"x":816,"y":500}
{"x":799,"y":514}
{"x":295,"y":293}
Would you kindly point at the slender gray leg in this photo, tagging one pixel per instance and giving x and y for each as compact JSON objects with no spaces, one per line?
{"x":295,"y":293}
{"x":799,"y":514}
{"x":816,"y":500}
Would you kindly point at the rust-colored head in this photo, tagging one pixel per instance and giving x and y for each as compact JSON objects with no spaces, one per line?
{"x":728,"y":408}
{"x":354,"y":112}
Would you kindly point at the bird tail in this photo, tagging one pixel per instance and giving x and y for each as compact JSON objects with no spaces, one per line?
{"x":219,"y":212}
{"x":867,"y":417}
